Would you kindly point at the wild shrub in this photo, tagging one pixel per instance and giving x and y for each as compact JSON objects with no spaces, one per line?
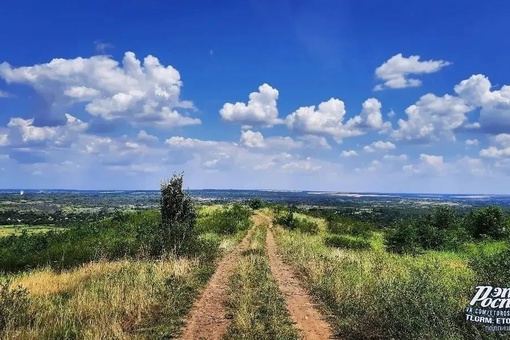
{"x":492,"y":268}
{"x":439,"y":230}
{"x":286,"y":220}
{"x":336,"y":225}
{"x":178,"y":217}
{"x":487,"y":222}
{"x":225,"y":221}
{"x":346,"y":242}
{"x":306,"y":226}
{"x":255,"y":203}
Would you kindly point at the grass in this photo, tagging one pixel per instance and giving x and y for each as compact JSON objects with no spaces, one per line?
{"x":109,"y":300}
{"x":258,"y":309}
{"x":373,"y":294}
{"x":133,"y":297}
{"x":7,"y":230}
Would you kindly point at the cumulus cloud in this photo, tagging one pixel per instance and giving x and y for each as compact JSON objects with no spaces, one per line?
{"x":224,"y":155}
{"x":143,"y":136}
{"x":431,"y":118}
{"x":22,"y":133}
{"x":472,"y":142}
{"x":396,"y":71}
{"x":494,"y":152}
{"x":495,"y":105}
{"x":252,"y":139}
{"x":379,"y":145}
{"x":349,"y":153}
{"x":261,"y":109}
{"x":328,"y":119}
{"x":145,"y":93}
{"x":315,"y":142}
{"x":429,"y":165}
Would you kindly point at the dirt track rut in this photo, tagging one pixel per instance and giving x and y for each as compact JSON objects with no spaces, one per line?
{"x":207,"y":319}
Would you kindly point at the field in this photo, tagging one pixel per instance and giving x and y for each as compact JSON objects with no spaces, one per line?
{"x":7,"y":230}
{"x":250,"y":271}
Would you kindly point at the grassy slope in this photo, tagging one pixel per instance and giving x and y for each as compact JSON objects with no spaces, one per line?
{"x":127,"y":298}
{"x":255,"y":302}
{"x":374,"y":294}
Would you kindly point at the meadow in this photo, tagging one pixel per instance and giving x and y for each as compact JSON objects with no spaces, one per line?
{"x":138,"y":273}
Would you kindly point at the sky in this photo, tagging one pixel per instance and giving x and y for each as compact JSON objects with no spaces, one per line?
{"x":350,"y":96}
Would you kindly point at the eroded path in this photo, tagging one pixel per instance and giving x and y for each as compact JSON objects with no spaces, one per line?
{"x":207,"y":319}
{"x":299,"y":304}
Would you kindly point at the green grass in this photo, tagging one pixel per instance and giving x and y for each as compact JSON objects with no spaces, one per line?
{"x":7,"y":230}
{"x":258,"y":309}
{"x":373,"y":294}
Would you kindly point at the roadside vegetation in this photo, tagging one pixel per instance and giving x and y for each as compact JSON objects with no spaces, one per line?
{"x":412,"y":280}
{"x":255,"y":304}
{"x":132,"y":275}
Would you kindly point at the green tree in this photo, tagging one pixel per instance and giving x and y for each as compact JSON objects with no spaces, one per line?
{"x":178,"y":216}
{"x":255,"y":203}
{"x":487,"y":222}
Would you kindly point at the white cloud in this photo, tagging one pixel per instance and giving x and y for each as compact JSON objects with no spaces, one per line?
{"x":401,"y":157}
{"x":495,"y":105}
{"x":140,"y":93}
{"x":429,"y":165}
{"x":503,"y":139}
{"x":472,"y":142}
{"x":434,"y":161}
{"x":261,"y":109}
{"x":143,"y":136}
{"x":22,"y":133}
{"x":431,"y":118}
{"x":502,"y":150}
{"x":252,"y":139}
{"x":223,"y":155}
{"x":371,"y":114}
{"x":328,"y":119}
{"x":315,"y":142}
{"x":395,"y":71}
{"x":349,"y":153}
{"x":494,"y":152}
{"x":4,"y":94}
{"x":379,"y":145}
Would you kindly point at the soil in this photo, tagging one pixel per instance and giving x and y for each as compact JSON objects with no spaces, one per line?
{"x":299,"y":304}
{"x":207,"y":318}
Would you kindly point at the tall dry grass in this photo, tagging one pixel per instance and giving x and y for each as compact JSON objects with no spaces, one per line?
{"x":105,"y":300}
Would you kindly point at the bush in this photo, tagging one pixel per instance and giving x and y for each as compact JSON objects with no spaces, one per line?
{"x":488,"y":222}
{"x":255,"y":203}
{"x":226,"y":221}
{"x":178,"y":217}
{"x":347,"y":227}
{"x":439,"y":230}
{"x":306,"y":226}
{"x":492,"y":268}
{"x":286,"y":220}
{"x":346,"y":242}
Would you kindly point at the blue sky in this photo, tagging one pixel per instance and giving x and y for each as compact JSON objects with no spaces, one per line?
{"x":386,"y":96}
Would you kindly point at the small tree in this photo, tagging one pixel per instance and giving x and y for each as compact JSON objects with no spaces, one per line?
{"x":487,"y":222}
{"x":178,"y":216}
{"x":255,"y":203}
